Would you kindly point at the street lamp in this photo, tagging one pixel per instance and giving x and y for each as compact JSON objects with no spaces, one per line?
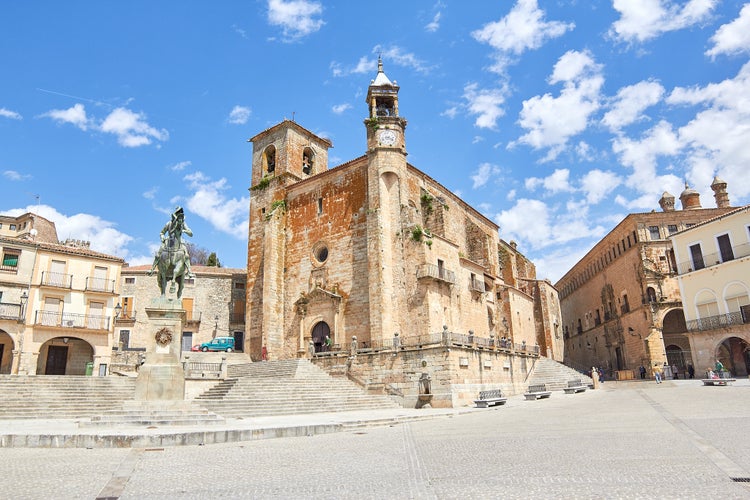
{"x":22,"y":308}
{"x":118,"y":310}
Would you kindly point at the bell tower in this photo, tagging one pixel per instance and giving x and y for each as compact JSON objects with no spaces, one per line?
{"x":386,"y":194}
{"x":385,"y":128}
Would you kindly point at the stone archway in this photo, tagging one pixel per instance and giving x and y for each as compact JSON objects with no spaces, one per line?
{"x":6,"y":352}
{"x":320,"y":331}
{"x":734,"y":354}
{"x":64,"y":356}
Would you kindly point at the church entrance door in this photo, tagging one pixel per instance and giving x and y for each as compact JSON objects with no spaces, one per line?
{"x":320,"y":331}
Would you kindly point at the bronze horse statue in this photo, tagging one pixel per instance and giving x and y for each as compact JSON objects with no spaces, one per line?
{"x":172,"y":260}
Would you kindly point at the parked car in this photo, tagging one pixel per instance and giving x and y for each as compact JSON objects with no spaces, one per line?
{"x":196,"y":348}
{"x":219,"y":344}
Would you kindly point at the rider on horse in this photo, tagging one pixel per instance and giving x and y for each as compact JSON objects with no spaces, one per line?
{"x":173,"y":231}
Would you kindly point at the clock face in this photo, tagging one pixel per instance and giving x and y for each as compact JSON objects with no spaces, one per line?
{"x":387,"y":137}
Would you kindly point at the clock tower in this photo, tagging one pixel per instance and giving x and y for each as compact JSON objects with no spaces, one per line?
{"x":385,"y":128}
{"x":386,"y":194}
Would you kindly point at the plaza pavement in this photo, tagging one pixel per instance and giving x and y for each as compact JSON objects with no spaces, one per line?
{"x":633,"y":439}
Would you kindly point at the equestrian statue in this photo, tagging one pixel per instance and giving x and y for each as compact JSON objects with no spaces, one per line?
{"x":172,"y":261}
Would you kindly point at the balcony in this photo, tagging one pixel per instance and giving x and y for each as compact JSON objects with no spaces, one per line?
{"x":476,"y":285}
{"x":10,"y":269}
{"x":193,"y":317}
{"x":100,"y":285}
{"x":125,"y":318}
{"x":720,"y":321}
{"x":57,"y":280}
{"x":71,"y":320}
{"x":713,"y":259}
{"x":437,"y":273}
{"x":10,"y":311}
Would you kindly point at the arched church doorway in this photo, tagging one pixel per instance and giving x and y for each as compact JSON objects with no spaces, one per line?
{"x":734,"y":354}
{"x":320,"y":331}
{"x":677,"y":357}
{"x":6,"y":353}
{"x":64,"y":356}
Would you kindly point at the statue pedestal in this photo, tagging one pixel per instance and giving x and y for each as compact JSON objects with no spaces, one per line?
{"x":161,"y":377}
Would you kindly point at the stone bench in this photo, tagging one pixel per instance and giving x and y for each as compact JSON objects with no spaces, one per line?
{"x":574,"y":386}
{"x":538,"y":391}
{"x":490,"y":398}
{"x":718,"y":381}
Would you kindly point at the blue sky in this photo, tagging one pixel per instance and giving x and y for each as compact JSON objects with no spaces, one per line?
{"x":554,"y":118}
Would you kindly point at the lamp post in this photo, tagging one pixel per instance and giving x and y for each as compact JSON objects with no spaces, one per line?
{"x":22,"y":308}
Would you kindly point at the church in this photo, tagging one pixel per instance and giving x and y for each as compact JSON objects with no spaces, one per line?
{"x":375,"y":269}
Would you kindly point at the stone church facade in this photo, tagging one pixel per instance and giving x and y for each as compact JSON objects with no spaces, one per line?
{"x":379,"y":257}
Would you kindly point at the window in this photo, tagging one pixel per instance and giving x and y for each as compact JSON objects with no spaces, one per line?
{"x":653,"y":232}
{"x":127,"y":308}
{"x":725,"y":248}
{"x":672,"y":228}
{"x":124,"y":339}
{"x":651,"y":293}
{"x":12,"y":227}
{"x":10,"y":259}
{"x":130,"y":281}
{"x":269,"y":158}
{"x":308,"y":158}
{"x":689,"y":224}
{"x":625,"y":304}
{"x":320,"y":206}
{"x":239,"y":285}
{"x":697,"y":256}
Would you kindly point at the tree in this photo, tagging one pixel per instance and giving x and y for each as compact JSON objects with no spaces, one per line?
{"x":213,"y":260}
{"x":198,"y":255}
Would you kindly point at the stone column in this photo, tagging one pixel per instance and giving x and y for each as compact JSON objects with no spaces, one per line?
{"x":161,"y":377}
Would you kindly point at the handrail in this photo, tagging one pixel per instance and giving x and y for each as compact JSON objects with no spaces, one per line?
{"x":718,"y":321}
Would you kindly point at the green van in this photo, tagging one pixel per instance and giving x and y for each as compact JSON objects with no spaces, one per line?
{"x":219,"y":344}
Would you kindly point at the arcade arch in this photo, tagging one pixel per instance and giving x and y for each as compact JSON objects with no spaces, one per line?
{"x":64,"y":356}
{"x":6,"y":352}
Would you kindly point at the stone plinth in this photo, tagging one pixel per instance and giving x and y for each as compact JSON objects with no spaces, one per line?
{"x":161,"y":377}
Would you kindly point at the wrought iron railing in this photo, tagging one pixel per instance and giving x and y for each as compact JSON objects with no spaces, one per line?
{"x":126,"y":316}
{"x":10,"y":311}
{"x":436,"y":272}
{"x":713,"y":259}
{"x":71,"y":320}
{"x":719,"y":321}
{"x":100,"y":285}
{"x":476,"y":285}
{"x":58,"y":280}
{"x":13,"y":269}
{"x":193,"y":316}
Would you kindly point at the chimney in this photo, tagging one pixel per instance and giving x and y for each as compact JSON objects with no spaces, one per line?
{"x":690,"y":198}
{"x":720,"y":193}
{"x":667,"y":202}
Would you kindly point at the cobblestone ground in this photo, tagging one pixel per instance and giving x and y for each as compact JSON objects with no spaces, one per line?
{"x":629,"y":440}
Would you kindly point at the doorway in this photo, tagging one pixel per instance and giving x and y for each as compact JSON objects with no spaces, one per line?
{"x":57,"y":359}
{"x":320,"y":331}
{"x":239,"y":341}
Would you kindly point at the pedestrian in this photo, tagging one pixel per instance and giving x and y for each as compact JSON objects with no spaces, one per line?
{"x":675,"y":372}
{"x":642,"y":371}
{"x":601,"y":375}
{"x":328,"y":343}
{"x":719,"y":368}
{"x":691,"y":371}
{"x":657,"y":373}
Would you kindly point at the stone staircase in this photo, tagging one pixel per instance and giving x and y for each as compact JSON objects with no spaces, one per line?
{"x":286,"y":387}
{"x":63,"y":396}
{"x":156,"y":413}
{"x":555,"y":375}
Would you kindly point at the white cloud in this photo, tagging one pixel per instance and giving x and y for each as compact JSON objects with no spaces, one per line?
{"x":642,"y":20}
{"x":557,"y":182}
{"x":208,"y":200}
{"x":151,"y":193}
{"x":179,"y":166}
{"x":551,"y":121}
{"x":15,"y":176}
{"x":536,"y":225}
{"x":719,"y":134}
{"x":75,"y":116}
{"x":399,"y":57}
{"x":597,"y":184}
{"x":486,"y":103}
{"x":630,"y":102}
{"x":297,"y":18}
{"x":363,"y":66}
{"x":131,"y":128}
{"x":483,"y":174}
{"x":450,"y":112}
{"x":102,"y":234}
{"x":10,"y":114}
{"x":732,"y":38}
{"x":340,"y":108}
{"x":239,"y":115}
{"x":523,"y":28}
{"x":434,"y":25}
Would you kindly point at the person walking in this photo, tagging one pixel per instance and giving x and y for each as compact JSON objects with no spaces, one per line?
{"x":657,"y":373}
{"x":642,"y":370}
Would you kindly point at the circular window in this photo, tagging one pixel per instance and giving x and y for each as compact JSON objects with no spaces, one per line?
{"x":320,"y":253}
